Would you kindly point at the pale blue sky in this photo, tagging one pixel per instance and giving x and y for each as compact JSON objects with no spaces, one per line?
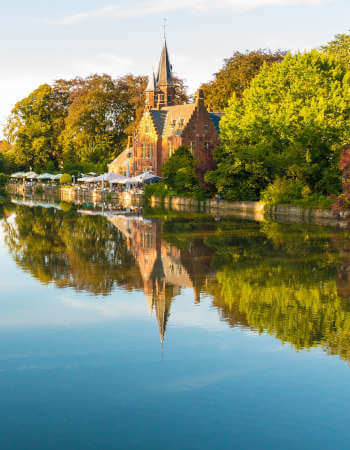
{"x":42,"y":41}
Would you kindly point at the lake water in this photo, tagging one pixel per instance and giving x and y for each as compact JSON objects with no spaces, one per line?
{"x":171,"y":332}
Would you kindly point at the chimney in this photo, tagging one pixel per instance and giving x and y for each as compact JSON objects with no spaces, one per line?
{"x":200,"y":98}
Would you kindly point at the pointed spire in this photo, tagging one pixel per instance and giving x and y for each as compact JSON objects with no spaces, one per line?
{"x":164,"y":76}
{"x":152,"y":83}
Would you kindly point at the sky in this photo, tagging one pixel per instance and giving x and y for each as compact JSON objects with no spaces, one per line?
{"x":42,"y":41}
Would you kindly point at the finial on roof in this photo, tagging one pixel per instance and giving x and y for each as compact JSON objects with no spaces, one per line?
{"x":164,"y":28}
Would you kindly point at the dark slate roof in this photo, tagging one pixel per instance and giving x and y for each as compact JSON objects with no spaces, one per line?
{"x":216,"y":117}
{"x":164,"y":75}
{"x":159,"y":119}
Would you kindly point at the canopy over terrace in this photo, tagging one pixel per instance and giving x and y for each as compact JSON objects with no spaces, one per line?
{"x":87,"y":179}
{"x":146,"y":177}
{"x":17,"y":175}
{"x":56,"y":177}
{"x":45,"y":176}
{"x":111,"y":178}
{"x":30,"y":176}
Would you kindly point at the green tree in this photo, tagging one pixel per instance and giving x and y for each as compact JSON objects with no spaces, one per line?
{"x":236,"y":75}
{"x":31,"y":128}
{"x":95,"y":127}
{"x":292,"y":122}
{"x":179,"y":173}
{"x":339,"y":47}
{"x":65,"y":179}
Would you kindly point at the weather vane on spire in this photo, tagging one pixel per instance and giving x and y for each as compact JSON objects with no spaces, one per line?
{"x":164,"y":28}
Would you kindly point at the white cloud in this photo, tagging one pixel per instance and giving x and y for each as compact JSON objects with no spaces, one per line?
{"x":151,"y":7}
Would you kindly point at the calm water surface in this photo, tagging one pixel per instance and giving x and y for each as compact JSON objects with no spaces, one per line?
{"x":171,"y":332}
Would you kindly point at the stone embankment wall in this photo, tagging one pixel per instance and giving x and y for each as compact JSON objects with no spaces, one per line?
{"x":254,"y":210}
{"x":249,"y":210}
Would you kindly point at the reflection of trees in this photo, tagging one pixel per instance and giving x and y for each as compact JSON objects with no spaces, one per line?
{"x":290,"y":282}
{"x":284,"y":283}
{"x":85,"y":252}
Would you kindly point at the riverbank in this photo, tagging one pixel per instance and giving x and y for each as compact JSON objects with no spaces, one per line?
{"x":258,"y":211}
{"x":71,"y":195}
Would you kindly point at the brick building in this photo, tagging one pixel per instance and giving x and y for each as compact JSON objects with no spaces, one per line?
{"x":165,"y":126}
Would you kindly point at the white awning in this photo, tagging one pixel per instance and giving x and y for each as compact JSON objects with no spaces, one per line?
{"x":45,"y":176}
{"x":30,"y":175}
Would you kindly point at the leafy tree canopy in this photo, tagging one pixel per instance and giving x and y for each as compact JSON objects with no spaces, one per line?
{"x":292,"y":122}
{"x":236,"y":75}
{"x":76,"y":124}
{"x":32,"y":128}
{"x":179,"y":176}
{"x":339,"y":47}
{"x":95,"y":126}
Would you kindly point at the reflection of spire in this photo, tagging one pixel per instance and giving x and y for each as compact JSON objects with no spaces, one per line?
{"x":162,"y":302}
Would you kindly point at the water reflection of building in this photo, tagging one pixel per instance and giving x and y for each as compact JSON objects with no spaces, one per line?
{"x":342,"y":244}
{"x":164,"y":268}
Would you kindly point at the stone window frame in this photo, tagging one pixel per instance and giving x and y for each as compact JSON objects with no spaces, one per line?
{"x":192,"y":147}
{"x":144,"y":149}
{"x":170,"y":148}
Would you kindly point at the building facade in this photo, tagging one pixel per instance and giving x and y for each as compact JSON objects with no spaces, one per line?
{"x":165,"y":126}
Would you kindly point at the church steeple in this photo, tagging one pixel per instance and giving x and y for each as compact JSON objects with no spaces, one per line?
{"x":152,"y":83}
{"x":160,"y":90}
{"x":164,"y":75}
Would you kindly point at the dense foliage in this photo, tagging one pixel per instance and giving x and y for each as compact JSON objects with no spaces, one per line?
{"x":65,"y":179}
{"x":78,"y":125}
{"x":339,"y":47}
{"x":236,"y":75}
{"x":179,"y":176}
{"x":292,"y":122}
{"x":3,"y":180}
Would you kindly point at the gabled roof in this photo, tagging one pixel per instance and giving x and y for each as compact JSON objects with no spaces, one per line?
{"x":172,"y":120}
{"x":177,"y":118}
{"x":159,"y":118}
{"x":164,"y":75}
{"x":122,"y":158}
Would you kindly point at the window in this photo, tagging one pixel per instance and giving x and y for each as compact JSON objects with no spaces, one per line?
{"x":170,"y":148}
{"x":146,"y":128}
{"x":207,"y":145}
{"x":181,"y":123}
{"x":143,"y":150}
{"x":173,"y":124}
{"x":150,"y":154}
{"x":192,"y":147}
